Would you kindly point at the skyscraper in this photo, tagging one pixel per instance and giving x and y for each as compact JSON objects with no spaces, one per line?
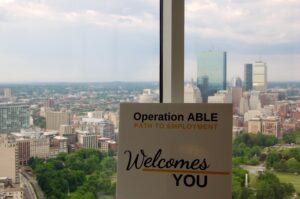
{"x":248,"y":76}
{"x":13,"y":117}
{"x":259,"y":76}
{"x":211,"y":77}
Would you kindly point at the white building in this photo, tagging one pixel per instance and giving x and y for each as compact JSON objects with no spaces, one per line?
{"x":61,"y":143}
{"x":222,"y":96}
{"x":87,"y":139}
{"x":192,"y":94}
{"x":252,"y":114}
{"x":244,"y":105}
{"x":148,"y":96}
{"x":101,"y":127}
{"x":254,"y":100}
{"x":259,"y":76}
{"x":96,"y":114}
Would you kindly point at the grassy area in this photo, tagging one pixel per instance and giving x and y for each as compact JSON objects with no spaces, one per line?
{"x":290,"y":178}
{"x":252,"y":182}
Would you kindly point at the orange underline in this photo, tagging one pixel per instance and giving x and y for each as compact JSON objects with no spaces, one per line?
{"x":186,"y":171}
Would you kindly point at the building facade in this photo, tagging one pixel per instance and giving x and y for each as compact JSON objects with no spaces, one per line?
{"x":55,"y":119}
{"x":40,"y":147}
{"x":259,"y":76}
{"x":23,"y":150}
{"x":248,"y":76}
{"x":211,"y":75}
{"x":9,"y":159}
{"x":192,"y":94}
{"x":87,"y":140}
{"x":13,"y":117}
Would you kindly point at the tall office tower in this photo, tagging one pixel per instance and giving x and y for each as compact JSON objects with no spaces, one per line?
{"x":236,"y":91}
{"x":259,"y":76}
{"x":248,"y":68}
{"x":55,"y":119}
{"x":9,"y":160}
{"x":13,"y":117}
{"x":7,"y":92}
{"x":211,"y":76}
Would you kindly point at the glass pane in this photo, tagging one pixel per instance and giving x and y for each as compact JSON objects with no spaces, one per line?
{"x":247,"y":53}
{"x":65,"y":67}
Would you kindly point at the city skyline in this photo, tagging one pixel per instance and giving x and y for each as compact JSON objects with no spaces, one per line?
{"x":89,"y":40}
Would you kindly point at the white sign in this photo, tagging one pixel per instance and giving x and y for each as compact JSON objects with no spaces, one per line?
{"x":175,"y":151}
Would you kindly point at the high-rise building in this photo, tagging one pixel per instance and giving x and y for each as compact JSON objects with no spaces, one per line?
{"x":248,"y":76}
{"x":87,"y":140}
{"x":9,"y":160}
{"x":192,"y":94}
{"x":259,"y":76}
{"x":211,"y":77}
{"x":13,"y":117}
{"x":55,"y":119}
{"x":244,"y":105}
{"x":254,"y":101}
{"x":39,"y":147}
{"x":236,"y":93}
{"x":7,"y":92}
{"x":24,"y":150}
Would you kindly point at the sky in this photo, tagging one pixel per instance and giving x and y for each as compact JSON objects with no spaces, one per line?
{"x":118,"y":40}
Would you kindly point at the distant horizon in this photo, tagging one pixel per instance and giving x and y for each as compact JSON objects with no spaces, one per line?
{"x":117,"y":81}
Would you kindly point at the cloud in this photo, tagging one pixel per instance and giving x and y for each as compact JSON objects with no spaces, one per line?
{"x":119,"y":39}
{"x":53,"y":41}
{"x":249,"y":22}
{"x":58,"y":12}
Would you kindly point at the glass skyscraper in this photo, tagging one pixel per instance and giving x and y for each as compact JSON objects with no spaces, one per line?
{"x":211,"y":76}
{"x":248,"y":76}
